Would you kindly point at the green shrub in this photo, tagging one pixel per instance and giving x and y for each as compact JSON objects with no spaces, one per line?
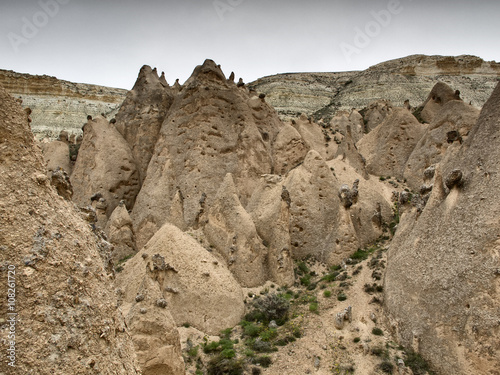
{"x":226,"y":333}
{"x":226,"y":344}
{"x":330,"y":277}
{"x":265,"y":361}
{"x":268,"y":334}
{"x":327,"y":293}
{"x":252,"y":330}
{"x":417,"y":364}
{"x":357,"y":339}
{"x":386,"y":367}
{"x":271,"y":307}
{"x":193,"y":352}
{"x":306,"y":280}
{"x":223,"y":366}
{"x":313,"y":307}
{"x":228,"y":353}
{"x":377,"y":331}
{"x":341,"y":297}
{"x":303,"y":269}
{"x":262,"y":346}
{"x":211,"y":347}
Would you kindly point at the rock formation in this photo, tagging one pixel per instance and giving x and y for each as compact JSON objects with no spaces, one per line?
{"x":213,"y":128}
{"x":388,"y":147}
{"x":67,"y":319}
{"x":141,"y":116}
{"x":105,"y":167}
{"x":231,"y":231}
{"x":411,"y":78}
{"x":56,"y":154}
{"x":60,"y":105}
{"x":449,"y":128}
{"x":119,"y":230}
{"x":442,"y":281}
{"x":197,"y":287}
{"x":270,"y":210}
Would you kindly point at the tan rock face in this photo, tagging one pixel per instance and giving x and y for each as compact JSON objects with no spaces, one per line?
{"x":388,"y":147}
{"x":56,"y":154}
{"x":442,"y":282}
{"x":316,"y":138}
{"x":198,"y":289}
{"x":289,"y":150}
{"x":213,"y":128}
{"x":440,"y":94}
{"x":270,"y":211}
{"x":314,"y":208}
{"x":141,"y":115}
{"x":349,"y":123}
{"x":448,"y":130}
{"x":231,"y":231}
{"x":375,"y":113}
{"x":119,"y":230}
{"x":105,"y":165}
{"x":153,"y":330}
{"x":67,"y":321}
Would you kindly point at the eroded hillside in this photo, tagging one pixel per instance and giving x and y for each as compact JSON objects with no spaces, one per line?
{"x":243,"y":244}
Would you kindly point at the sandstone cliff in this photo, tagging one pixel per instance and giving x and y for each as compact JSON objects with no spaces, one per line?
{"x":410,"y":78}
{"x":60,"y":105}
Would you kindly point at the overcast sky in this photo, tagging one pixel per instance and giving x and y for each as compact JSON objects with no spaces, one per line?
{"x":106,"y":42}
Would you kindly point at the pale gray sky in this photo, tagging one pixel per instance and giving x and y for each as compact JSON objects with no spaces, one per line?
{"x":106,"y":42}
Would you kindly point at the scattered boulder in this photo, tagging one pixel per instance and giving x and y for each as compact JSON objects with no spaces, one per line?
{"x":454,"y":178}
{"x":342,"y":316}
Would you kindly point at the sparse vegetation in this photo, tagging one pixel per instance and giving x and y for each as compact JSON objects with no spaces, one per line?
{"x":341,"y":297}
{"x":386,"y":366}
{"x":417,"y":364}
{"x":377,"y":331}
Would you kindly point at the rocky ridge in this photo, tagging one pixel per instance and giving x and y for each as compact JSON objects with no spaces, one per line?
{"x":59,"y":105}
{"x":409,"y":78}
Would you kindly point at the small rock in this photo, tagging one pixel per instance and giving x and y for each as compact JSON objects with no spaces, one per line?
{"x":139,"y":298}
{"x":454,"y":179}
{"x":161,"y":303}
{"x":143,"y":311}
